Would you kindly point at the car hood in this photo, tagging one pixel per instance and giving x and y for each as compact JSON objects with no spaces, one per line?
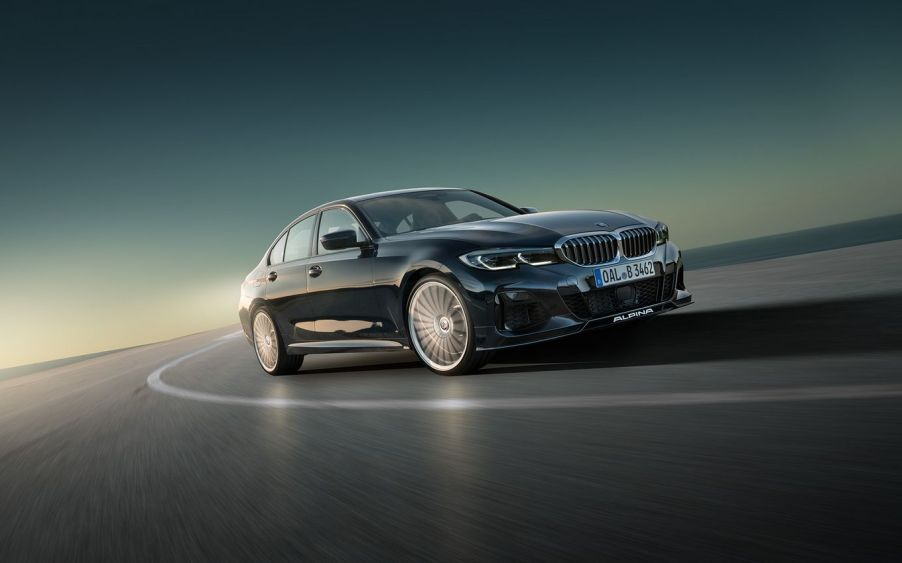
{"x":572,"y":222}
{"x":531,"y":229}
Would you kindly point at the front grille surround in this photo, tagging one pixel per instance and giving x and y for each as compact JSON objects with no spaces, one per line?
{"x":600,"y":248}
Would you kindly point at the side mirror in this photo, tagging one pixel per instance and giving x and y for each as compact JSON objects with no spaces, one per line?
{"x":339,"y":240}
{"x":529,"y":209}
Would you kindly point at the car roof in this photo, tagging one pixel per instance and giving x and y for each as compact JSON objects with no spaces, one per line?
{"x":363,"y":197}
{"x":396,"y":192}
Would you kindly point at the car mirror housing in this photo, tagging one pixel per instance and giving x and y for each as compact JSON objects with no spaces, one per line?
{"x":340,"y":240}
{"x":529,"y":210}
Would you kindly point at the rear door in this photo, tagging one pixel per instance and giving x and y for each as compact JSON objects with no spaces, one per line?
{"x":286,"y":289}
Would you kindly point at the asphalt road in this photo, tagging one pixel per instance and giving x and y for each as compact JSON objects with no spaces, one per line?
{"x":762,"y":423}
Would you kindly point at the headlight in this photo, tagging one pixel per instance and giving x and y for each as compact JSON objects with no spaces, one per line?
{"x":663,"y":233}
{"x":507,"y":258}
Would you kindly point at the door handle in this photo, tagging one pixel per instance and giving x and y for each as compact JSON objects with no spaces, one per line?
{"x":314,"y":270}
{"x":272,"y":276}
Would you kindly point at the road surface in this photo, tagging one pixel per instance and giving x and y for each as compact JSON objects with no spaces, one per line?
{"x":762,"y":423}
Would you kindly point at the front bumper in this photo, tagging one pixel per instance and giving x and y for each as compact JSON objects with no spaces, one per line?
{"x":535,"y":304}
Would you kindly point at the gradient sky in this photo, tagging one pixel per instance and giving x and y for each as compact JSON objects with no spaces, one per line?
{"x":150,"y":150}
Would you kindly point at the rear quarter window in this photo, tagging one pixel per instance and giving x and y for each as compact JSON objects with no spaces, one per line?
{"x":277,"y":254}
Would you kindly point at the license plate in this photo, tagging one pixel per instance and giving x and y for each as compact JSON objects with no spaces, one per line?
{"x":623,"y":273}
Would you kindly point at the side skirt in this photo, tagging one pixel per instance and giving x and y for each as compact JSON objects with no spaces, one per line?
{"x":340,"y":346}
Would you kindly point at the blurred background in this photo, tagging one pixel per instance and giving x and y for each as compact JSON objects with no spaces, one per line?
{"x":151,"y":150}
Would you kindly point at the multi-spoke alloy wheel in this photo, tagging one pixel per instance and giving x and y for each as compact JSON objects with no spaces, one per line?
{"x":265,"y":341}
{"x":440,"y":329}
{"x":272,"y":357}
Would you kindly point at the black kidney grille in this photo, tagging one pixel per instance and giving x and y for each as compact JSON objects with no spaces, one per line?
{"x":596,"y":249}
{"x":637,"y":242}
{"x":590,"y":250}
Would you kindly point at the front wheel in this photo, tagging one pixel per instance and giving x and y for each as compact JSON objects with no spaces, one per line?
{"x":441,"y":329}
{"x":269,"y":347}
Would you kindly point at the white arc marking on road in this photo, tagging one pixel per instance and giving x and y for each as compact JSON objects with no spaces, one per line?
{"x":155,"y":382}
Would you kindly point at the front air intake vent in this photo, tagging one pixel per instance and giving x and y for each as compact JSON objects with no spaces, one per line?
{"x":589,"y":250}
{"x":597,"y":303}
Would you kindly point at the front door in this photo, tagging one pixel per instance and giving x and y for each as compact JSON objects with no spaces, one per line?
{"x":340,"y":285}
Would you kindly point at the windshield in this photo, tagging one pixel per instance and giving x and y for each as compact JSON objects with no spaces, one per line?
{"x":415,"y":211}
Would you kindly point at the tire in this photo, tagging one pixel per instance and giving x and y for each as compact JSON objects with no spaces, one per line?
{"x":269,"y":347}
{"x":441,"y":327}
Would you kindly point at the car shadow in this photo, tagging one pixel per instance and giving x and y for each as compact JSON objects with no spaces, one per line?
{"x":848,"y":326}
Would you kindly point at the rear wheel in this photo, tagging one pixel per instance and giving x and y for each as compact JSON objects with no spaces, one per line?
{"x":269,"y":347}
{"x":441,"y":329}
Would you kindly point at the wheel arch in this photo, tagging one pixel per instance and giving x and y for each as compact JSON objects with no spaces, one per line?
{"x":410,"y":279}
{"x":252,"y":309}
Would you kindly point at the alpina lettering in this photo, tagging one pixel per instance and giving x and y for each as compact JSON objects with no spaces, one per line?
{"x":633,"y":315}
